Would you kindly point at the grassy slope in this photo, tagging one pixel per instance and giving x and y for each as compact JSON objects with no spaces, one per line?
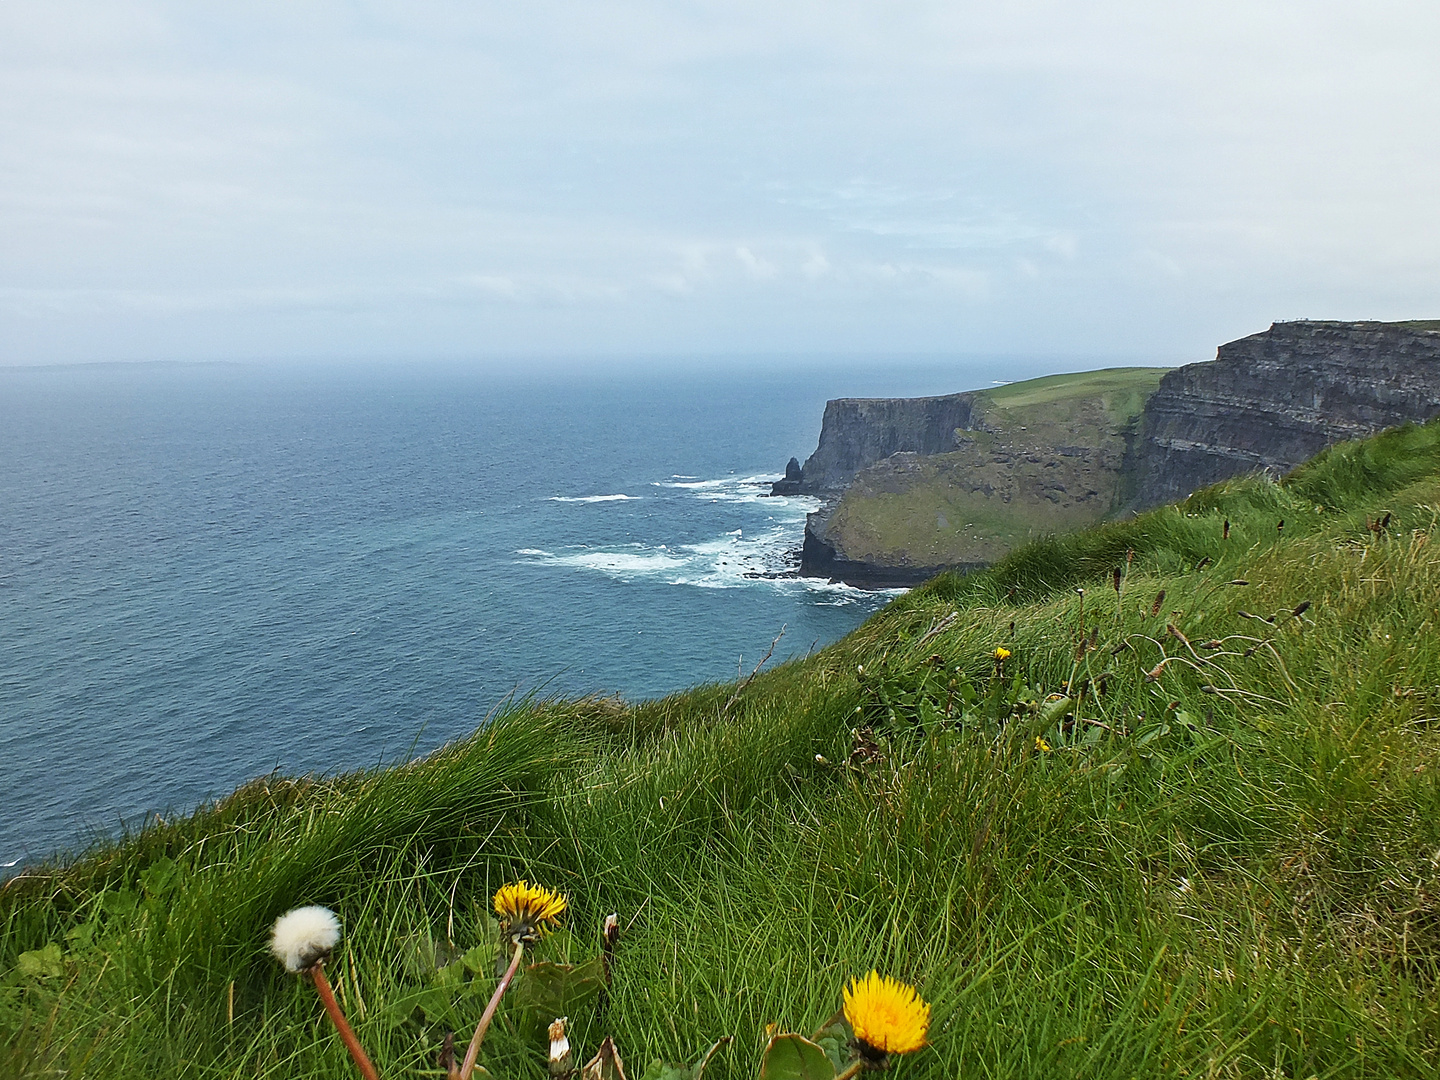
{"x":1227,"y":870}
{"x":1010,"y":485}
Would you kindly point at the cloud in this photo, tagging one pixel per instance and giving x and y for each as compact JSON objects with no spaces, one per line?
{"x":820,"y":174}
{"x":756,"y":267}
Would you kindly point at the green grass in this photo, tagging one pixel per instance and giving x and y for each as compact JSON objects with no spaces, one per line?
{"x":1227,"y":870}
{"x":1127,"y":388}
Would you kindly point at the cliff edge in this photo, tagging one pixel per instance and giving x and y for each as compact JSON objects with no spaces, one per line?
{"x":914,"y":486}
{"x":1274,"y":399}
{"x":1026,"y":459}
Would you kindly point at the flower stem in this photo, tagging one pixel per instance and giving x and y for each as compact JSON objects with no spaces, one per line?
{"x":347,"y":1036}
{"x":851,"y":1069}
{"x":468,"y":1069}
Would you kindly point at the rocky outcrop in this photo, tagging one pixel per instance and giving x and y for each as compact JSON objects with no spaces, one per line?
{"x":790,"y":484}
{"x":1274,"y":399}
{"x":857,"y":432}
{"x":820,"y":557}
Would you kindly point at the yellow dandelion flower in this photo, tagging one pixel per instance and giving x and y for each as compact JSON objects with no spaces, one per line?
{"x":1041,"y":744}
{"x":888,"y":1017}
{"x":1002,"y":653}
{"x":527,"y":910}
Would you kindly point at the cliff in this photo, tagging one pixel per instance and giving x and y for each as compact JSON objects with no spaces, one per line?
{"x":1274,"y":399}
{"x":1030,"y":458}
{"x":857,"y":432}
{"x":918,"y":485}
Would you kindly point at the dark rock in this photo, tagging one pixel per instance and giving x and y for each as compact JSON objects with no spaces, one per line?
{"x":857,"y":432}
{"x":1272,"y":400}
{"x":818,"y":558}
{"x":791,"y":484}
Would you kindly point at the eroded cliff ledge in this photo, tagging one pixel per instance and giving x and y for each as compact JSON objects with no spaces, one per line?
{"x":1274,"y":399}
{"x":858,"y":432}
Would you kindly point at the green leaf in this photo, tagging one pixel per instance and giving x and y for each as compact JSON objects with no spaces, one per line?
{"x":1054,"y":711}
{"x":1187,"y":720}
{"x":547,"y":990}
{"x":834,"y":1038}
{"x":478,"y":960}
{"x":794,"y":1057}
{"x":46,"y":963}
{"x":664,"y":1070}
{"x":122,"y":902}
{"x":1145,"y":738}
{"x":160,"y":877}
{"x":661,"y":1070}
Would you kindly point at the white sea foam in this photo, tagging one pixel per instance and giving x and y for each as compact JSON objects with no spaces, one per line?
{"x":592,"y":498}
{"x":759,"y":553}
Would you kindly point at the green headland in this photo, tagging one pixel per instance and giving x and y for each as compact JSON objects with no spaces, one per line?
{"x":1043,"y":456}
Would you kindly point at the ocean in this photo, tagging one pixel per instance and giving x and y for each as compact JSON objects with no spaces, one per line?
{"x":209,"y":572}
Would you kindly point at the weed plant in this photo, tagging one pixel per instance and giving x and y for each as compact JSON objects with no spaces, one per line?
{"x":1157,"y":799}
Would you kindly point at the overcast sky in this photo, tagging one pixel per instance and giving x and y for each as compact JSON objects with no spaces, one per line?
{"x":1123,"y":180}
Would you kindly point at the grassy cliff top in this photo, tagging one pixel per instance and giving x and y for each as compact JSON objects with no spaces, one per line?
{"x":1129,"y":384}
{"x":1187,"y":827}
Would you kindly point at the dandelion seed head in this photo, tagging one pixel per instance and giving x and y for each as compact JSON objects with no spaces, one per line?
{"x":304,"y":936}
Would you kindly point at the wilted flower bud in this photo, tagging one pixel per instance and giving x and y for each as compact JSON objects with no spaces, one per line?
{"x":562,"y":1059}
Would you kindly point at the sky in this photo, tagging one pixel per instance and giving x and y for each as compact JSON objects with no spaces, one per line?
{"x":600,"y":180}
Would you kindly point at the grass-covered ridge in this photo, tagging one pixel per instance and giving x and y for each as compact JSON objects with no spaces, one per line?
{"x":1194,"y":834}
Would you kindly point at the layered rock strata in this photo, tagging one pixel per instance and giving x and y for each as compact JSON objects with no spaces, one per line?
{"x":1274,"y":399}
{"x":857,"y":432}
{"x":1032,"y":458}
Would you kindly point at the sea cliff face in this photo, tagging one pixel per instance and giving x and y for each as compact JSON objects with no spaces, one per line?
{"x":857,"y":432}
{"x":1274,"y":399}
{"x":918,"y":485}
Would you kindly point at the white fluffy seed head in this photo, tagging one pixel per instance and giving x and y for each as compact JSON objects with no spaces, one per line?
{"x":305,"y":936}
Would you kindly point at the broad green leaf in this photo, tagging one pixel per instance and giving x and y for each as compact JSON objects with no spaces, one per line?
{"x":46,"y":963}
{"x":423,"y":955}
{"x":794,"y":1057}
{"x":834,"y":1038}
{"x":160,"y":877}
{"x":1145,"y":738}
{"x":547,"y":990}
{"x":663,"y":1070}
{"x":1054,"y":711}
{"x":478,"y":960}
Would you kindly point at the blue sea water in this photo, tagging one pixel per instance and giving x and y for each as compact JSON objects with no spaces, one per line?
{"x":209,"y":572}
